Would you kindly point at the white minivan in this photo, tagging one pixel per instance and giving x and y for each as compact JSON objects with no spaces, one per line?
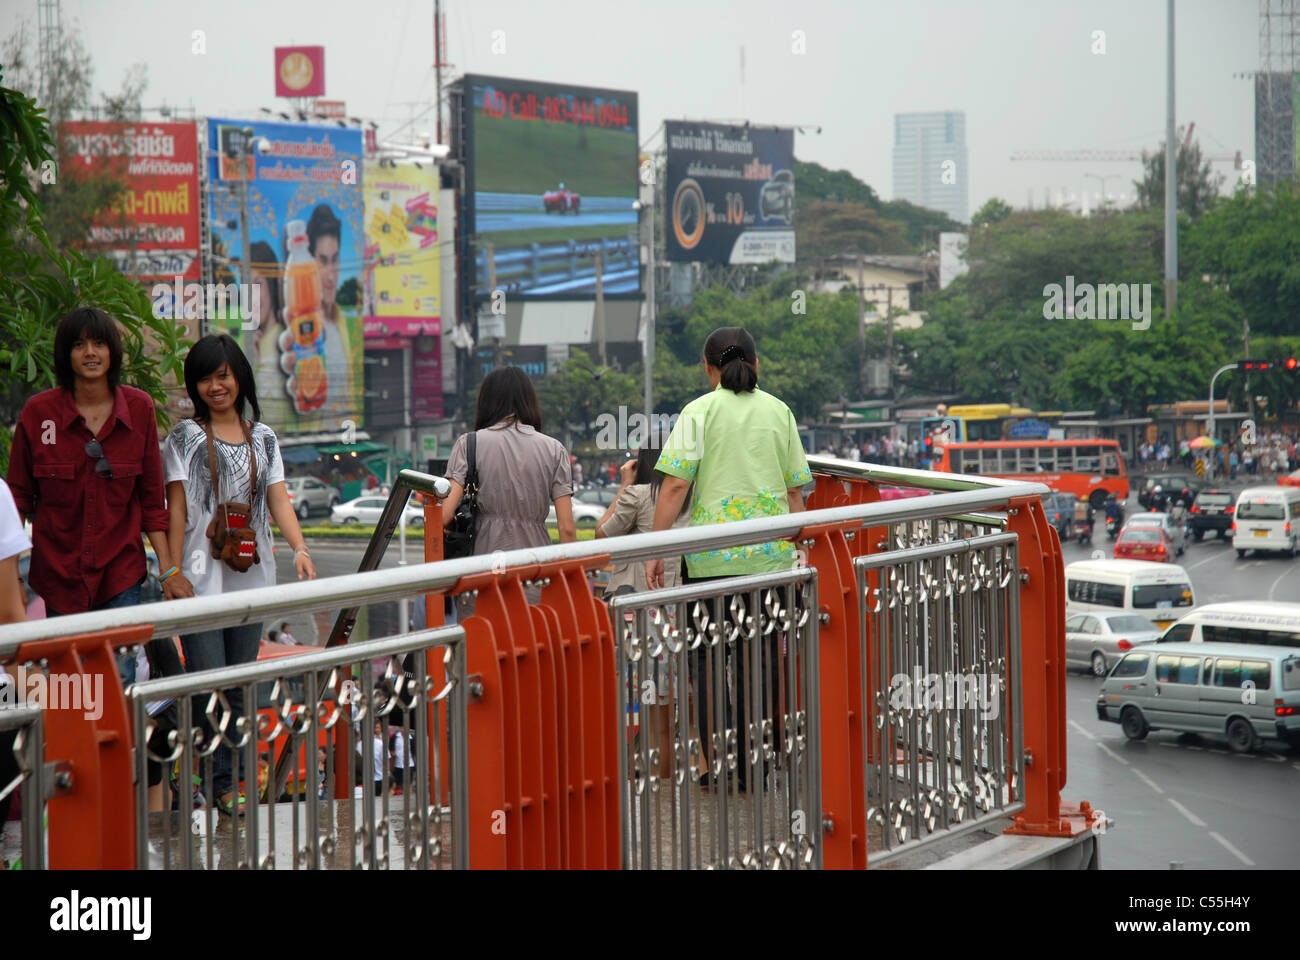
{"x":1160,"y":592}
{"x":1262,"y":622}
{"x":1267,"y":518}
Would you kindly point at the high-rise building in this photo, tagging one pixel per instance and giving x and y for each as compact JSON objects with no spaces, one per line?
{"x":930,"y":168}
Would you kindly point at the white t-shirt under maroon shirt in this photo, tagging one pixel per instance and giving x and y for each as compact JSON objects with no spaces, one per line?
{"x":185,"y":458}
{"x":13,"y":539}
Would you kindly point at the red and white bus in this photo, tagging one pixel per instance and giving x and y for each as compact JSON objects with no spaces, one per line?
{"x":1091,"y":469}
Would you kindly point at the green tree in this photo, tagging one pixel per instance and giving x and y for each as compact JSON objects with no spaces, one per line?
{"x":827,"y":228}
{"x":1197,"y":186}
{"x":1249,"y":245}
{"x":39,"y":281}
{"x":995,"y":210}
{"x":581,"y":391}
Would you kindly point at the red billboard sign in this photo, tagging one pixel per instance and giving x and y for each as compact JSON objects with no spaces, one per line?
{"x":333,"y":109}
{"x":157,"y":219}
{"x":300,"y":71}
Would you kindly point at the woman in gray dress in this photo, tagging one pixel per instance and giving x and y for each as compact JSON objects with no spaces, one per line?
{"x":521,"y":471}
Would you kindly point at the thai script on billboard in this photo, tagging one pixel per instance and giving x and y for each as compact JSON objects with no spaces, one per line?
{"x":729,"y":193}
{"x":152,"y":231}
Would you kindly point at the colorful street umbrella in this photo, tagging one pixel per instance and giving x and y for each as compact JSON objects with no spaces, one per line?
{"x":1200,"y":443}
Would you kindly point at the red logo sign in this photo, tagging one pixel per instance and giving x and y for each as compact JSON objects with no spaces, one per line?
{"x":300,"y":71}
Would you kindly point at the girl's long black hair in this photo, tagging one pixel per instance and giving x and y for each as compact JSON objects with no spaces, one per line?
{"x":504,"y":392}
{"x":739,"y":373}
{"x":646,"y":459}
{"x":205,"y":358}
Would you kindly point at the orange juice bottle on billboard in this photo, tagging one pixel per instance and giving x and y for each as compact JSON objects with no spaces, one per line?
{"x":305,"y":321}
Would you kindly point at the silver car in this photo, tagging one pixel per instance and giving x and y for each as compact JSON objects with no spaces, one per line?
{"x":1098,"y":640}
{"x":1174,"y":524}
{"x":368,"y":509}
{"x":307,"y":494}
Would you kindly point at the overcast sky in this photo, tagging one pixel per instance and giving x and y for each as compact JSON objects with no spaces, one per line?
{"x":1022,"y":70}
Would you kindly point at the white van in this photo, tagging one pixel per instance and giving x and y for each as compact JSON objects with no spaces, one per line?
{"x":1263,"y":622}
{"x":1267,"y":518}
{"x":1245,"y":692}
{"x":1160,"y":592}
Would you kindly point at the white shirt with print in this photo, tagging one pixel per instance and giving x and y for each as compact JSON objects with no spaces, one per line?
{"x":185,"y":458}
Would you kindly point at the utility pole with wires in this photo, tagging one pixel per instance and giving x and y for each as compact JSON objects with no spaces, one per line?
{"x":439,"y":40}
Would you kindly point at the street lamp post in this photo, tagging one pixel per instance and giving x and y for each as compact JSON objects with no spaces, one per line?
{"x":649,"y":354}
{"x":1209,"y":420}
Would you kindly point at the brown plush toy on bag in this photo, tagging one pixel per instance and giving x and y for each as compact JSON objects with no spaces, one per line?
{"x":233,"y":539}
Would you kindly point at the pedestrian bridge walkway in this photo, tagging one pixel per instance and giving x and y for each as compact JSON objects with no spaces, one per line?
{"x":894,"y":699}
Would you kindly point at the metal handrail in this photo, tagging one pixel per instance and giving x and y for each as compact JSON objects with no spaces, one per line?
{"x":452,"y":638}
{"x":394,"y":510}
{"x":29,"y":721}
{"x":172,"y":617}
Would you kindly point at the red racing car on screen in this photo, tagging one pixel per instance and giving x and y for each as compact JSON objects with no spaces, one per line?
{"x":560,"y":200}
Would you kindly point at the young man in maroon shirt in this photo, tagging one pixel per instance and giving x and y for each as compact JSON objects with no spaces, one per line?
{"x":86,"y":468}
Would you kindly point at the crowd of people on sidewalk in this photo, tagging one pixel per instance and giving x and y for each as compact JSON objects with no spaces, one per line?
{"x":1267,"y":456}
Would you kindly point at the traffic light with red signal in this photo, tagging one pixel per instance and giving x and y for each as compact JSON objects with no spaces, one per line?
{"x":1289,"y":364}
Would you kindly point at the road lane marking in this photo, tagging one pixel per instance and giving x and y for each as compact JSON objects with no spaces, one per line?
{"x":1233,"y":850}
{"x":1273,"y":758}
{"x":1149,"y":782}
{"x":1218,"y":751}
{"x":1296,"y":765}
{"x":1112,"y":754}
{"x":1078,"y":727}
{"x":1199,"y":563}
{"x":1196,"y":821}
{"x":1166,"y":743}
{"x":1279,"y":580}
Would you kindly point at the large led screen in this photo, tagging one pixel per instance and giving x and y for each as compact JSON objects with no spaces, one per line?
{"x":552,"y":179}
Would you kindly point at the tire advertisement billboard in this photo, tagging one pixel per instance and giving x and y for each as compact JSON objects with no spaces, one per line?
{"x":306,"y":233}
{"x":552,"y":176}
{"x":729,"y":195}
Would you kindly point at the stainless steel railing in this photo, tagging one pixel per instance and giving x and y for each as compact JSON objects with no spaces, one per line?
{"x":724,"y":681}
{"x":958,"y":508}
{"x":961,"y":496}
{"x":944,"y":752}
{"x":313,"y":699}
{"x":29,"y":751}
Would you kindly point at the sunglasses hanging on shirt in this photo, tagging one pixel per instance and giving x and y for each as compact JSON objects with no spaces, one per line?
{"x":102,"y":468}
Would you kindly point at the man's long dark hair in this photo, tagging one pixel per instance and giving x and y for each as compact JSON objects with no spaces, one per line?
{"x":739,"y":373}
{"x":206,"y":358}
{"x":507,"y":392}
{"x":86,"y":323}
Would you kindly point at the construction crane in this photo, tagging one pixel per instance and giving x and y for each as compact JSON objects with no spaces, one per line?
{"x":1109,"y":156}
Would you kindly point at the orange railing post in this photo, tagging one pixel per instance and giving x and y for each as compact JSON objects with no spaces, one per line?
{"x":840,"y":668}
{"x":1042,"y":669}
{"x":91,"y":814}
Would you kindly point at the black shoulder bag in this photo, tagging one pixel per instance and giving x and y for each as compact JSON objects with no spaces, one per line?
{"x":458,"y":536}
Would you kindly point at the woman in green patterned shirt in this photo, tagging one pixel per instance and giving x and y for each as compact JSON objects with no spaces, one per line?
{"x":740,"y":447}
